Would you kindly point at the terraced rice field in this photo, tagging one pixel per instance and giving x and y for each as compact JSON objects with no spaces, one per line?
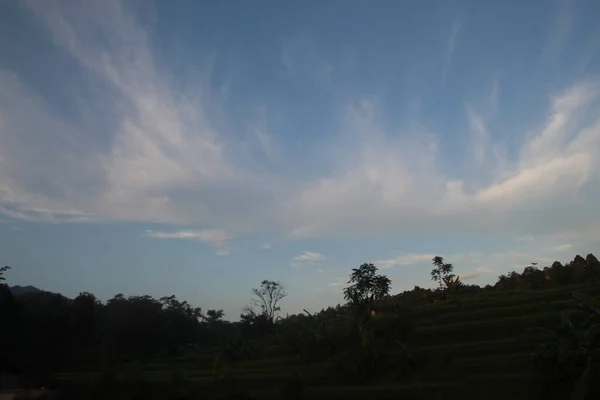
{"x":477,"y":348}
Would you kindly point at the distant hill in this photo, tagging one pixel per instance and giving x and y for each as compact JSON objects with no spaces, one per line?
{"x":18,"y":290}
{"x":27,"y":291}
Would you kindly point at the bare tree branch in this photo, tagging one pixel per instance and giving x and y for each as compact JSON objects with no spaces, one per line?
{"x":268,"y":296}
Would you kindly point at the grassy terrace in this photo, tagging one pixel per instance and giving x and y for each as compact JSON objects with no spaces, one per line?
{"x":473,"y":348}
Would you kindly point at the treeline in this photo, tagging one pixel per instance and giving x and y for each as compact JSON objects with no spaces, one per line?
{"x":580,"y":270}
{"x":43,"y":333}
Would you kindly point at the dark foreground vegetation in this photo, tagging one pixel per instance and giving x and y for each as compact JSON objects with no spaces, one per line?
{"x":532,"y":335}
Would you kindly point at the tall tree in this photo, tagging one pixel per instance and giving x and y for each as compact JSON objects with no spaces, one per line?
{"x":593,"y":266}
{"x":84,"y":317}
{"x":533,"y":277}
{"x":366,"y":286}
{"x":441,"y":270}
{"x":267,"y":297}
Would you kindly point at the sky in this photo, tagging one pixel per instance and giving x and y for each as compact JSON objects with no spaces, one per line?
{"x":196,"y":148}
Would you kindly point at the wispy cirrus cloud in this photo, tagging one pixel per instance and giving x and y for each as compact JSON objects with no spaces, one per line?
{"x":42,"y":215}
{"x":394,"y":185}
{"x":476,"y":273}
{"x":478,"y":127}
{"x":215,"y":237}
{"x":450,"y":46}
{"x":563,"y":247}
{"x":163,"y":150}
{"x":162,"y":156}
{"x":404,"y":260}
{"x":560,"y":31}
{"x":307,"y":258}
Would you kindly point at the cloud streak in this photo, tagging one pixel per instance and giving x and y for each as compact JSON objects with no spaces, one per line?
{"x":395,"y":186}
{"x":404,"y":260}
{"x":563,"y":247}
{"x":162,"y":156}
{"x":476,"y":273}
{"x":307,"y":258}
{"x":450,"y":46}
{"x":216,"y":238}
{"x":165,"y":161}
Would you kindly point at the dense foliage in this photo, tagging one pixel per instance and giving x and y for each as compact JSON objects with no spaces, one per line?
{"x":580,"y":270}
{"x":569,"y":360}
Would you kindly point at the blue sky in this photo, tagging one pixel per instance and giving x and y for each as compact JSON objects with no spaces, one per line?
{"x":196,"y":148}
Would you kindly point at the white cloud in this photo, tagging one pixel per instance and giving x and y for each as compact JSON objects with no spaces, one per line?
{"x":155,"y":153}
{"x":479,"y":130}
{"x":535,"y":182}
{"x":215,"y":237}
{"x":404,"y":260}
{"x":266,"y":246}
{"x":306,"y":258}
{"x":37,"y":215}
{"x":486,"y":153}
{"x":476,"y":273}
{"x":165,"y":160}
{"x":15,"y":214}
{"x":392,"y":186}
{"x":563,"y":247}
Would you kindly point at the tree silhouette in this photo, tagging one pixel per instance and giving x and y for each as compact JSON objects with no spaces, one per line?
{"x":366,"y":286}
{"x":12,"y":332}
{"x":267,"y":297}
{"x":84,"y":317}
{"x":2,"y":271}
{"x":453,"y":284}
{"x":441,"y":270}
{"x":214,"y":316}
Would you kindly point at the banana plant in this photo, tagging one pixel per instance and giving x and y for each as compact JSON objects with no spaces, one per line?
{"x":453,"y":285}
{"x":571,"y":352}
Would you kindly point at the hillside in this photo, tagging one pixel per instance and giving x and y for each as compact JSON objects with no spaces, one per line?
{"x":19,"y":290}
{"x":456,"y":341}
{"x":475,"y":348}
